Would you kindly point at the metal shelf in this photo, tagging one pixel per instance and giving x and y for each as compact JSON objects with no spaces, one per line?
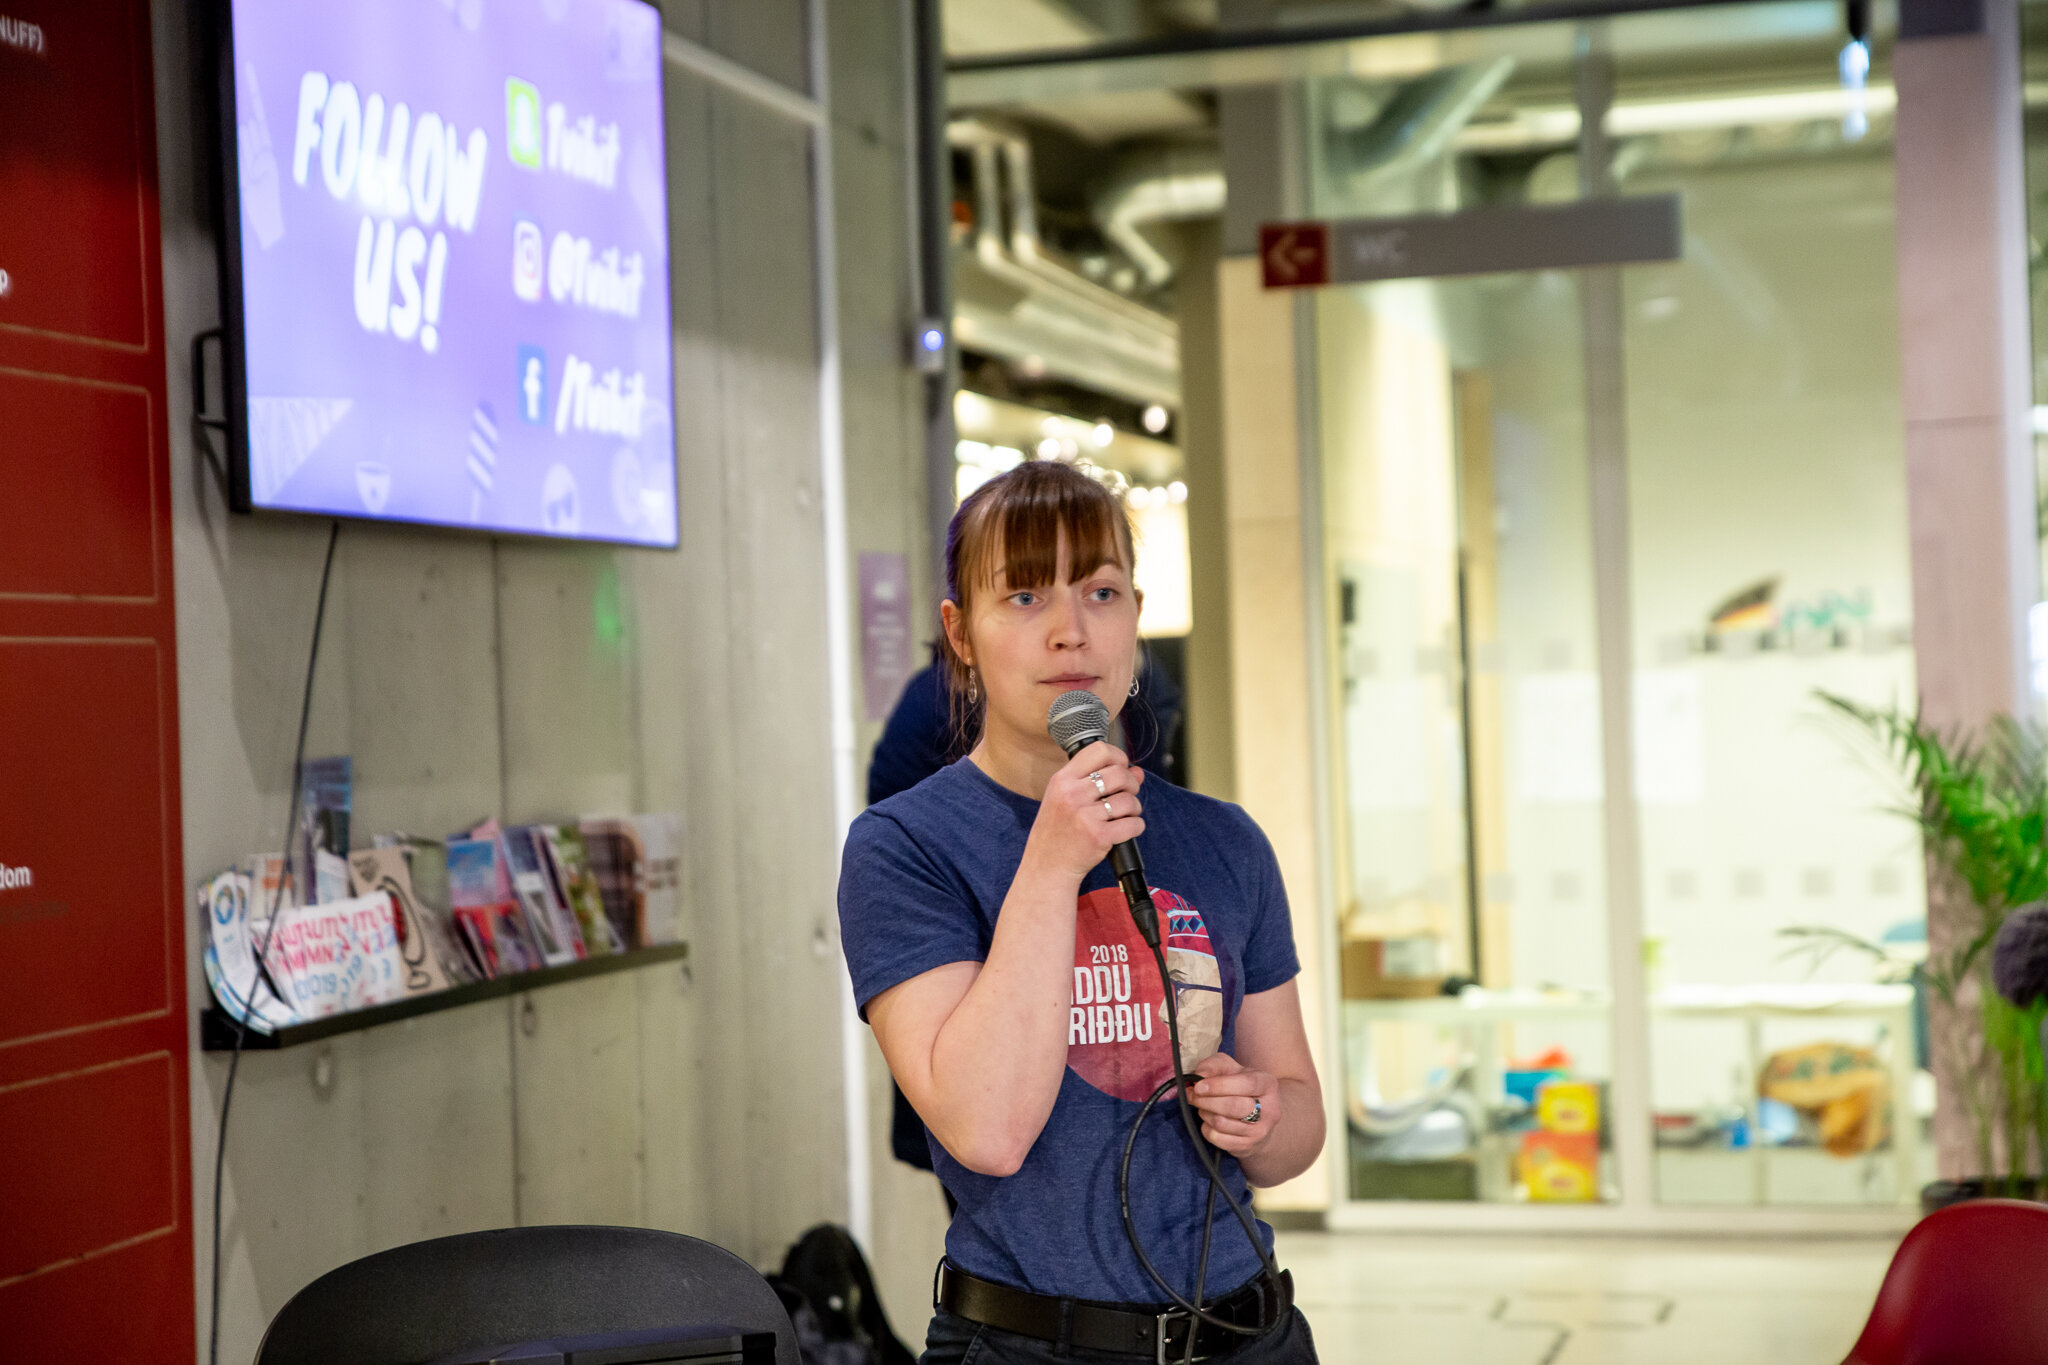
{"x":217,"y":1028}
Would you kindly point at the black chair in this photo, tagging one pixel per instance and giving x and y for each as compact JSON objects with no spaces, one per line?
{"x":431,"y":1300}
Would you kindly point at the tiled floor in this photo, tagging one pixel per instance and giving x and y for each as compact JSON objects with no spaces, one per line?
{"x":1396,"y":1300}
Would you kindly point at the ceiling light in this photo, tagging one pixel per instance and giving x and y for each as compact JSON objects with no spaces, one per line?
{"x":1155,"y":419}
{"x":1103,"y":434}
{"x":972,"y":411}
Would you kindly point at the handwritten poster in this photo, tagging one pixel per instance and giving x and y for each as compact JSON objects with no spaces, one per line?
{"x":341,"y":956}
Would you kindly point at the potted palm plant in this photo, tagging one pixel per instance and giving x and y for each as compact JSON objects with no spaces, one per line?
{"x":1981,"y":803}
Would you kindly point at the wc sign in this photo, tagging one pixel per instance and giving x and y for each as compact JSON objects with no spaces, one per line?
{"x":1480,"y":241}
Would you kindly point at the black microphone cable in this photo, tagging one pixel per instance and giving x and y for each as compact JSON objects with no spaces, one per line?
{"x":1178,"y":1082}
{"x":1076,"y":719}
{"x":227,"y":1094}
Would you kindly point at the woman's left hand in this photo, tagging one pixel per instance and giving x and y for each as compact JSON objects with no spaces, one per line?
{"x":1226,"y":1095}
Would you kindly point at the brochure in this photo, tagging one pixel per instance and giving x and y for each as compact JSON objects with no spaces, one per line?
{"x":230,"y":959}
{"x":579,"y":889}
{"x":421,"y":948}
{"x":560,"y":936}
{"x":481,"y":895}
{"x":326,"y":787}
{"x":661,"y":876}
{"x":612,"y":846}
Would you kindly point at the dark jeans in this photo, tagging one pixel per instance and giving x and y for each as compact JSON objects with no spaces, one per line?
{"x":956,"y":1341}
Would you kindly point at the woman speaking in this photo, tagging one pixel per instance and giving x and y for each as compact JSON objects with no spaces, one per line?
{"x":1021,"y":1010}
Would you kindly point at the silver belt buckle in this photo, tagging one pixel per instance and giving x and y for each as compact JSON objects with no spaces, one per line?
{"x":1159,"y":1334}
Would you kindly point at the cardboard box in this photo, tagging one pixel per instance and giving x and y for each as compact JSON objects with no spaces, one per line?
{"x":1378,"y":969}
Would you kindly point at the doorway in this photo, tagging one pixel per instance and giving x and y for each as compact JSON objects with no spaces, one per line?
{"x":1608,"y":875}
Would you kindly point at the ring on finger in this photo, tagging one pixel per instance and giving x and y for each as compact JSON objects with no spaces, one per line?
{"x":1100,"y":788}
{"x":1107,"y":810}
{"x":1257,"y":1109}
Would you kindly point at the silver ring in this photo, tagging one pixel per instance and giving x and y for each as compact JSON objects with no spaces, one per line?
{"x":1257,"y":1109}
{"x":1100,"y":789}
{"x":1107,"y":811}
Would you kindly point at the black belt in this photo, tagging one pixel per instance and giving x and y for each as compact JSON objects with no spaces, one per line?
{"x":1111,"y":1327}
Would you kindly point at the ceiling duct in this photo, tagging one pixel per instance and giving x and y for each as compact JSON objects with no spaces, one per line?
{"x":1417,"y":124}
{"x":1157,"y":185}
{"x":1016,"y":300}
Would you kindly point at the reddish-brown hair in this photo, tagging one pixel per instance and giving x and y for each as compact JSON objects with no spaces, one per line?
{"x":1021,"y":515}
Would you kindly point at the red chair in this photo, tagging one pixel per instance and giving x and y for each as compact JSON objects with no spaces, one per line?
{"x":1968,"y":1286}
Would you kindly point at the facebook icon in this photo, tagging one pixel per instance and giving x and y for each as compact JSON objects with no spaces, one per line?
{"x":533,"y":385}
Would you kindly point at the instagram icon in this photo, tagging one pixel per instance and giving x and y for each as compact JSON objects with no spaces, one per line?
{"x":526,"y":259}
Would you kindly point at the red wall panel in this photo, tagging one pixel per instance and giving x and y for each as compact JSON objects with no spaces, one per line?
{"x":80,"y":731}
{"x":95,"y":1166}
{"x":79,"y":526}
{"x":93,"y":1173}
{"x":76,"y":151}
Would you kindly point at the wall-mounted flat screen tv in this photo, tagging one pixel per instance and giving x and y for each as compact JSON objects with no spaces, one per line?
{"x":446,"y":274}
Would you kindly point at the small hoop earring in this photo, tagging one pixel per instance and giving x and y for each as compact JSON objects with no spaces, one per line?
{"x":973,"y":688}
{"x":1134,"y":684}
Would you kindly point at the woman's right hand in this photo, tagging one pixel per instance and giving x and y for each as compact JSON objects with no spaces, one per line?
{"x":1077,"y":821}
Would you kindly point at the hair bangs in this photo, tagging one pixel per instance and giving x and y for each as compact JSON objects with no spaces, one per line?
{"x":1033,"y":521}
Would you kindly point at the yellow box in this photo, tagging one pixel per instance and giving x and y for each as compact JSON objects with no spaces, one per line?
{"x":1568,"y":1107}
{"x":1560,"y":1168}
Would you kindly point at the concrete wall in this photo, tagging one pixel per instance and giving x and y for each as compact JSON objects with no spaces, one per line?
{"x":470,"y":677}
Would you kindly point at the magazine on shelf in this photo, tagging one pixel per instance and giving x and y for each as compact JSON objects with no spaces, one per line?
{"x":326,"y":796}
{"x":331,"y":880}
{"x":272,"y":885}
{"x":612,"y":846}
{"x":421,"y":949}
{"x":426,"y":862}
{"x":661,"y":876}
{"x":533,"y":883}
{"x":230,"y":957}
{"x":533,"y":937}
{"x":579,"y":888}
{"x":481,"y":895}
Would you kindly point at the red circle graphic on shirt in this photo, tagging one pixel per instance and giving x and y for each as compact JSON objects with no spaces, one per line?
{"x":1116,"y":1030}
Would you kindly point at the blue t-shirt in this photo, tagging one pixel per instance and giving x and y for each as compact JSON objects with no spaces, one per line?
{"x":924,"y":876}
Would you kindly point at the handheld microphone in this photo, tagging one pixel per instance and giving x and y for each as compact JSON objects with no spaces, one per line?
{"x":1078,"y":719}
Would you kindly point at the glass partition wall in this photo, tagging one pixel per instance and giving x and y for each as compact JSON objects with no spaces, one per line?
{"x":1513,"y":1028}
{"x":1615,"y":919}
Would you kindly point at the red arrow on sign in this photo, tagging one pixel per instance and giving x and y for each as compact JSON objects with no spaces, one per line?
{"x":1292,"y":255}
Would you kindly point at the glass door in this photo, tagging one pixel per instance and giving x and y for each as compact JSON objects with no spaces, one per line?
{"x":1473,"y":908}
{"x":1515,"y":1027}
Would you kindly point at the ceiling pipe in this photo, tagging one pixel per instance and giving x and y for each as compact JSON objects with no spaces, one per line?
{"x":1158,"y":185}
{"x":1419,"y":123}
{"x":1052,"y":315}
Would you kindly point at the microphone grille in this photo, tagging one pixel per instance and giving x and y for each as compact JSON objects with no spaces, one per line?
{"x":1077,"y":718}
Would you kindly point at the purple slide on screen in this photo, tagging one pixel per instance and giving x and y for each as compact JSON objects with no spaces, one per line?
{"x":454,"y":261}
